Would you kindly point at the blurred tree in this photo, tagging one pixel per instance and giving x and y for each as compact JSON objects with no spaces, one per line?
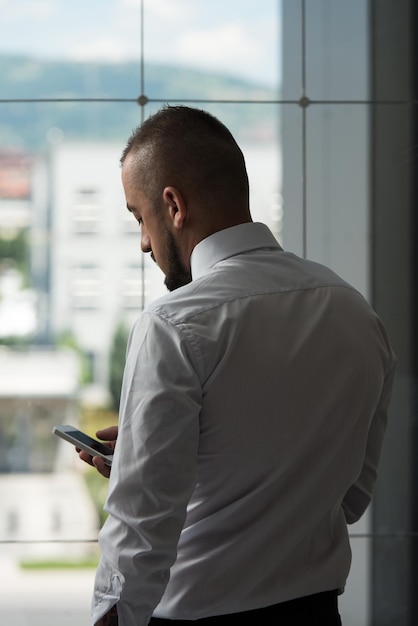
{"x":67,"y":339}
{"x":14,"y":251}
{"x":117,"y":363}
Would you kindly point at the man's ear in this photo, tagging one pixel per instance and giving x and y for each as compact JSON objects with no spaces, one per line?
{"x":176,"y":205}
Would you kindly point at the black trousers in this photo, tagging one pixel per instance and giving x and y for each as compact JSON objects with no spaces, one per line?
{"x":320,"y":609}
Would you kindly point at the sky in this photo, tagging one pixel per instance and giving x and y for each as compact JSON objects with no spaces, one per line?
{"x":237,"y":37}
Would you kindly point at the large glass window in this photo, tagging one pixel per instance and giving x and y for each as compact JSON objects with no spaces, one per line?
{"x":292,"y":79}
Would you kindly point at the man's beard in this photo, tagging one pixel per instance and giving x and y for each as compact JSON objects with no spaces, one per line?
{"x":177,"y":274}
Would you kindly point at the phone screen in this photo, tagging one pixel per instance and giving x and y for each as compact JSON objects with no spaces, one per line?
{"x":96,"y":445}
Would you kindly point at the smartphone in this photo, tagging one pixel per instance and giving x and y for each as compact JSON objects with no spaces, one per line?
{"x":84,"y":442}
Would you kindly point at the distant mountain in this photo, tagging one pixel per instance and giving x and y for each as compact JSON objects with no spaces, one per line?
{"x":28,"y":124}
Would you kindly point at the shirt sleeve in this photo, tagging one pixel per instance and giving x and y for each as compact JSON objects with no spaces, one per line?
{"x":359,"y":495}
{"x":153,"y":471}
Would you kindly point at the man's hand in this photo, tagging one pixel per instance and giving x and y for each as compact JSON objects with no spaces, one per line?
{"x":110,"y":619}
{"x":109,"y":435}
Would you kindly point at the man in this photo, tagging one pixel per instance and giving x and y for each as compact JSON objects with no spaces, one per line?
{"x":253,"y":406}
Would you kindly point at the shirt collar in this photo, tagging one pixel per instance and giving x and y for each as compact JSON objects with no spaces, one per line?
{"x":229,"y":242}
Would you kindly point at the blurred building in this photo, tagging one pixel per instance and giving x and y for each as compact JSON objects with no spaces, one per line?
{"x":86,"y":263}
{"x":17,"y":301}
{"x":15,"y":191}
{"x":38,"y":389}
{"x":41,"y":494}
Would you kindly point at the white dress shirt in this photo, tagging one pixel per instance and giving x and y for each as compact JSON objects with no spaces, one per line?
{"x":253,"y":410}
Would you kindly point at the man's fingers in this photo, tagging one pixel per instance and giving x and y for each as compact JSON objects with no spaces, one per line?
{"x":84,"y":456}
{"x":109,"y":434}
{"x":101,"y":466}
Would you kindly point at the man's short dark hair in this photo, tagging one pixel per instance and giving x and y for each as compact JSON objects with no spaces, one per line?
{"x":180,"y":144}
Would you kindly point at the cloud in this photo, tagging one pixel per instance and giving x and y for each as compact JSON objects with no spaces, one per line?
{"x":164,"y":9}
{"x":101,"y":49}
{"x":39,"y":11}
{"x":224,"y":45}
{"x":235,"y":37}
{"x":167,"y":9}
